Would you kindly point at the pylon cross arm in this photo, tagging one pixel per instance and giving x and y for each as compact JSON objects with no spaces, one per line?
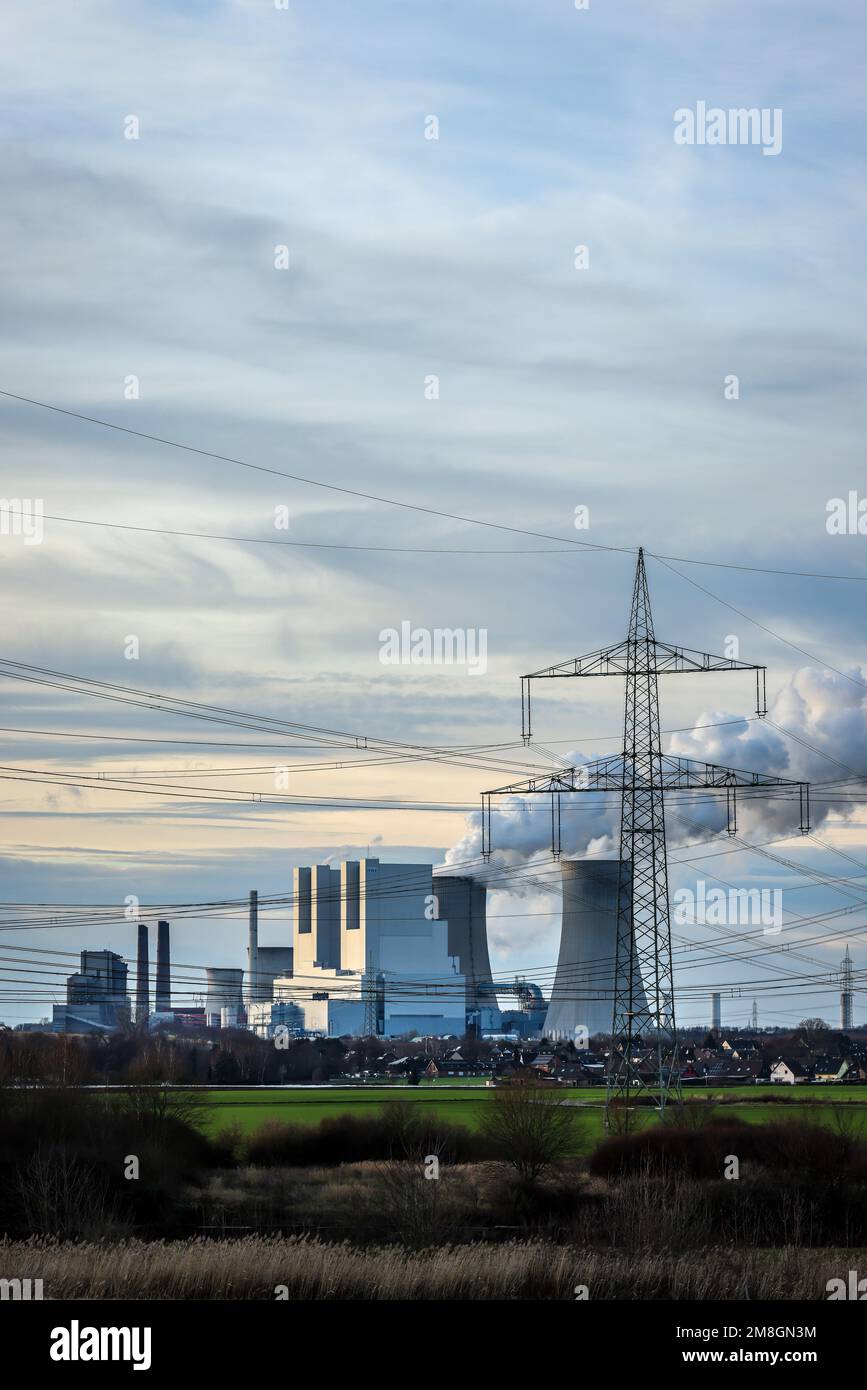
{"x":669,"y":773}
{"x":640,"y":655}
{"x":642,"y":777}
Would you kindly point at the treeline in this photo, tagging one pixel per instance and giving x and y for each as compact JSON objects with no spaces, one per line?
{"x":58,"y":1059}
{"x":237,"y":1057}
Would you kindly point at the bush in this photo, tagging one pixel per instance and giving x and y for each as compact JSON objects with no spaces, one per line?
{"x":399,"y":1131}
{"x":64,"y":1156}
{"x":808,"y":1150}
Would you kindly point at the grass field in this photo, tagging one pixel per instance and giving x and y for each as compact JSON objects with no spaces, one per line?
{"x":306,"y":1105}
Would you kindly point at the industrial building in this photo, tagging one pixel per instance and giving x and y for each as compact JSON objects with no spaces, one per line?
{"x":582,"y":1000}
{"x":264,"y":963}
{"x":96,"y":997}
{"x":374,"y":951}
{"x":463,"y":903}
{"x":269,"y":1018}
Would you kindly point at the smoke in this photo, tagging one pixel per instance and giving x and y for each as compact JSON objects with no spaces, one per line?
{"x":824,"y":709}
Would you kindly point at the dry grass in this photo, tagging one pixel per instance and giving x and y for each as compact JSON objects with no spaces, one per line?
{"x":253,"y":1267}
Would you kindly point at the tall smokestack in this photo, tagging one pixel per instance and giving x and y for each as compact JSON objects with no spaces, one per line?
{"x":716,"y":1012}
{"x":163,"y":992}
{"x":142,"y":985}
{"x":253,"y":988}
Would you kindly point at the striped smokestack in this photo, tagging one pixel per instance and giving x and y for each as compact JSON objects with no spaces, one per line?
{"x":142,"y":985}
{"x":164,"y":970}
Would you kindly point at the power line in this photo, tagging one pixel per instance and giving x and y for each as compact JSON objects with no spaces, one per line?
{"x":570,"y":541}
{"x":770,"y":631}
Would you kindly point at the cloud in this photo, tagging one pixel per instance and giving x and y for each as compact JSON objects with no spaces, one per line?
{"x":817,"y":707}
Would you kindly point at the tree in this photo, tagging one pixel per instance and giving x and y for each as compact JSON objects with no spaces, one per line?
{"x":813,"y":1031}
{"x":529,"y":1127}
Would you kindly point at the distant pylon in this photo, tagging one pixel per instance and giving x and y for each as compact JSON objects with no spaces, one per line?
{"x":755,"y":1013}
{"x":846,"y":992}
{"x":368,"y":987}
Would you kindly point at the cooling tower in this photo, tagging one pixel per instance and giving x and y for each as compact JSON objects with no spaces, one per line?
{"x":583,"y":993}
{"x":163,"y":990}
{"x":142,"y":985}
{"x":274,"y":962}
{"x":223,"y":987}
{"x":462,"y":903}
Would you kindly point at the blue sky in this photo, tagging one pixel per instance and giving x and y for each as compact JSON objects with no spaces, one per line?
{"x":409,"y":257}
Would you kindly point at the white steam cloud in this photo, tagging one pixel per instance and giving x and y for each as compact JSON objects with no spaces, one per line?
{"x":824,"y":716}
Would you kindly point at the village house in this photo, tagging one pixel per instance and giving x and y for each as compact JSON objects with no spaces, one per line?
{"x":788,"y":1071}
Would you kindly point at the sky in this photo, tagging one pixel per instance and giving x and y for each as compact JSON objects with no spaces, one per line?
{"x":282,"y":267}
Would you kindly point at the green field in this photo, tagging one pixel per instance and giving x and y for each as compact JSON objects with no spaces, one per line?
{"x":464,"y":1105}
{"x":305,"y":1106}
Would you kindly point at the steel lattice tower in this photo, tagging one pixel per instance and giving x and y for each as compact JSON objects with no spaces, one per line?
{"x":846,"y":993}
{"x":643,"y":1064}
{"x":643,"y":923}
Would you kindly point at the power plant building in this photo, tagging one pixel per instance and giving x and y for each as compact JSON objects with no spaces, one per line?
{"x":96,"y":996}
{"x":463,"y":903}
{"x":374,"y":951}
{"x":582,"y":1000}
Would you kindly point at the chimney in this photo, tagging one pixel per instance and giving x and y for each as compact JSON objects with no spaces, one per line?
{"x":163,"y":992}
{"x":253,"y":987}
{"x":142,"y":986}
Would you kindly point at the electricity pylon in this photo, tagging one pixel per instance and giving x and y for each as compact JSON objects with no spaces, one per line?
{"x":643,"y":1066}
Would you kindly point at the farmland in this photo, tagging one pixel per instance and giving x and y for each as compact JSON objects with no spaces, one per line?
{"x":464,"y":1103}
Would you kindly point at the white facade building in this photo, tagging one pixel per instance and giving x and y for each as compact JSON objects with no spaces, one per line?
{"x":368,"y":940}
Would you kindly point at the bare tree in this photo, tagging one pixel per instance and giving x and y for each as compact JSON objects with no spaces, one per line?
{"x":529,"y":1127}
{"x":61,"y":1195}
{"x":813,"y":1031}
{"x":154,"y":1099}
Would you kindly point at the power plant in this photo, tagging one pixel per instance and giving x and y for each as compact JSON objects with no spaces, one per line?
{"x":389,"y":950}
{"x":372,"y":950}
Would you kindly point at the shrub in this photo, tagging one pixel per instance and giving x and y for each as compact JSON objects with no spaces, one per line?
{"x":809,"y":1150}
{"x":398,"y":1131}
